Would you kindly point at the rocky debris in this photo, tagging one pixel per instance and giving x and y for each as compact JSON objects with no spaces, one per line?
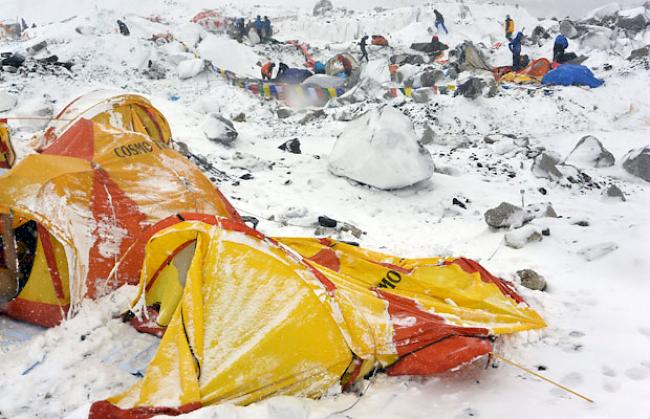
{"x":85,"y":30}
{"x":380,"y":149}
{"x":240,"y":117}
{"x":637,"y":163}
{"x":589,"y":151}
{"x":354,"y":230}
{"x":36,"y":48}
{"x":430,"y":78}
{"x":7,"y":101}
{"x":472,"y":88}
{"x":312,"y":116}
{"x":531,"y":280}
{"x":401,"y":59}
{"x":544,"y":210}
{"x":428,"y":137}
{"x":190,"y":68}
{"x":639,"y":53}
{"x":545,"y":166}
{"x":539,"y":35}
{"x":568,"y":29}
{"x":292,"y":146}
{"x":493,"y":90}
{"x":591,"y":253}
{"x":284,"y":112}
{"x":423,"y":95}
{"x":614,"y":191}
{"x":322,"y":7}
{"x":505,"y":216}
{"x":182,"y":148}
{"x":219,"y":129}
{"x":13,"y":62}
{"x":520,"y":237}
{"x":633,"y":23}
{"x":326,"y":221}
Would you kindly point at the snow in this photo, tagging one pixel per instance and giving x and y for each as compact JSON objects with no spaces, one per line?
{"x":595,"y":260}
{"x":380,"y":149}
{"x":190,"y":68}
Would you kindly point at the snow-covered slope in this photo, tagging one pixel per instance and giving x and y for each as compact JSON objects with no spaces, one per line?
{"x":595,"y":259}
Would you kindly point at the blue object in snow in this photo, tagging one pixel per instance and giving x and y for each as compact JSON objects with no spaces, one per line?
{"x":562,"y":41}
{"x":572,"y":75}
{"x":319,"y":68}
{"x":294,"y":76}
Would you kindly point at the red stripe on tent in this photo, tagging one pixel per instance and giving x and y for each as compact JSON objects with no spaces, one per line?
{"x":155,"y":122}
{"x":327,"y":258}
{"x":471,"y":266}
{"x":50,"y":259}
{"x":105,"y":410}
{"x":77,"y":141}
{"x":34,"y":312}
{"x":167,"y":261}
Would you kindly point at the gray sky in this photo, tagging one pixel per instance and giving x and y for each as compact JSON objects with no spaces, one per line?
{"x":562,"y":8}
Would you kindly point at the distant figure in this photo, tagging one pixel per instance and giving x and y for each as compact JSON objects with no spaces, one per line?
{"x":266,"y":28}
{"x":437,"y":47}
{"x":281,"y":69}
{"x":440,"y":21}
{"x":319,"y":67}
{"x":124,"y":30}
{"x":267,"y":71}
{"x":362,"y":45}
{"x":515,"y":48}
{"x":240,"y":27}
{"x":259,"y":26}
{"x":561,"y":44}
{"x":347,"y":65}
{"x":510,"y":27}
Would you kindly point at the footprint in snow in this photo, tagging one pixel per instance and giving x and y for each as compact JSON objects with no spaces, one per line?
{"x":645,"y":331}
{"x":611,"y":386}
{"x":637,"y":374}
{"x":608,"y":371}
{"x":571,"y":380}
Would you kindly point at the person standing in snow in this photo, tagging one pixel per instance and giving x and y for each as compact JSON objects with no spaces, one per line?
{"x":267,"y":71}
{"x":240,"y":27}
{"x":259,"y":25}
{"x":440,"y":21}
{"x":510,"y":27}
{"x":515,"y":48}
{"x":267,"y":30}
{"x":362,"y":45}
{"x":560,"y":45}
{"x":281,"y":69}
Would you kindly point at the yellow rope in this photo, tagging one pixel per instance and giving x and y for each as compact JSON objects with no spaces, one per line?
{"x":514,"y":364}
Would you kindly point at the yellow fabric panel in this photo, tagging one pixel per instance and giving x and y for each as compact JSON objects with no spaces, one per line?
{"x":166,"y":291}
{"x":8,"y":159}
{"x":463,"y":298}
{"x":254,"y":324}
{"x":513,"y":77}
{"x":39,"y":287}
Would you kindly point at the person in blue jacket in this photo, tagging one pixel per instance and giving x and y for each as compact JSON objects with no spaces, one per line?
{"x":515,"y":48}
{"x":259,"y":25}
{"x":267,"y":30}
{"x":560,"y":46}
{"x":440,"y":21}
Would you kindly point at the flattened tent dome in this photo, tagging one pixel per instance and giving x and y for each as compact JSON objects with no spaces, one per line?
{"x":127,"y":111}
{"x":334,"y":67}
{"x":89,"y":196}
{"x":247,"y":317}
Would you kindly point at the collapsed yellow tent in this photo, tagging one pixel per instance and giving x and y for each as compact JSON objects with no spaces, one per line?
{"x":7,"y":154}
{"x":86,"y":200}
{"x":125,"y":111}
{"x":247,"y":317}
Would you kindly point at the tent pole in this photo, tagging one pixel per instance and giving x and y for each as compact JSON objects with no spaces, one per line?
{"x":548,"y":380}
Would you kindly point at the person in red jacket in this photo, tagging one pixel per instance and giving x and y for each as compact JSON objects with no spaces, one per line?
{"x":347,"y":65}
{"x":267,"y":71}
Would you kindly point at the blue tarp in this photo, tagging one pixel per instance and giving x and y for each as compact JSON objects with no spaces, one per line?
{"x":572,"y":75}
{"x":293,"y":76}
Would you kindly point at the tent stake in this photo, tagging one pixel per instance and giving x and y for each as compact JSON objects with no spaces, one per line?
{"x":548,"y":380}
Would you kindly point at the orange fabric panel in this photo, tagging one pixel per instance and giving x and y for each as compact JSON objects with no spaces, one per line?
{"x":76,"y":142}
{"x":41,"y":314}
{"x":105,"y":410}
{"x":471,"y":266}
{"x":50,"y":257}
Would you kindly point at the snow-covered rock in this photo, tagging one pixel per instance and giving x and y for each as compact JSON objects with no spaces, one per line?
{"x":568,"y":29}
{"x":505,"y":215}
{"x":590,"y":152}
{"x":519,"y":238}
{"x":614,"y":191}
{"x":323,"y":80}
{"x":189,"y":33}
{"x":190,"y":68}
{"x":591,"y":253}
{"x":633,"y":20}
{"x":322,"y":7}
{"x":7,"y":101}
{"x":531,"y":280}
{"x":545,"y":166}
{"x":219,"y":129}
{"x":637,"y":163}
{"x":380,"y":149}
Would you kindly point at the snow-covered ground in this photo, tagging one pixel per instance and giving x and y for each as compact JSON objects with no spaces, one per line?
{"x":598,"y":339}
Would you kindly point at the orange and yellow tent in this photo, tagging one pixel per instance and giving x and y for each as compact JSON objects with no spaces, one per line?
{"x":91,"y":193}
{"x":248,"y":317}
{"x":7,"y":154}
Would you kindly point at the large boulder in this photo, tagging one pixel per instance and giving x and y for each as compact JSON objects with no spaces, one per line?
{"x":632,"y":20}
{"x":639,"y":53}
{"x":380,"y":149}
{"x":589,"y":151}
{"x":472,"y":88}
{"x":219,"y":129}
{"x":322,"y":7}
{"x":637,"y":163}
{"x":545,"y":166}
{"x":505,"y":216}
